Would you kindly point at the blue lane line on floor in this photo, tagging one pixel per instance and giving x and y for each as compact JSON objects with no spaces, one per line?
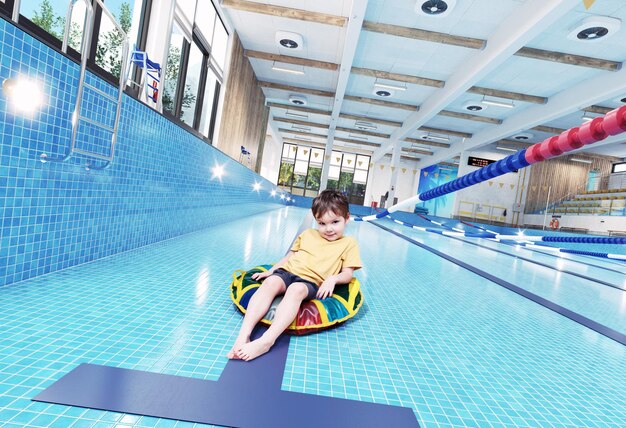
{"x":569,"y":272}
{"x":589,"y":323}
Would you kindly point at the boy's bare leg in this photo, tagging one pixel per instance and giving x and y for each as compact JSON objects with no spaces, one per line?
{"x":285,"y":314}
{"x":257,"y":307}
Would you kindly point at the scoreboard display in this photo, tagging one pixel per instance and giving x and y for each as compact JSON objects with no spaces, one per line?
{"x":479,"y":162}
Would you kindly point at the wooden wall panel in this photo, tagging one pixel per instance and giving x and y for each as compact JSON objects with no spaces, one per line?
{"x":562,"y":177}
{"x":244,"y":115}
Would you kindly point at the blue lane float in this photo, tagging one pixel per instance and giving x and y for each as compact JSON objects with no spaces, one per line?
{"x":521,"y":239}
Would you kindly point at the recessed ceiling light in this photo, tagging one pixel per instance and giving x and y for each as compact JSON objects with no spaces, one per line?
{"x":384,"y":93}
{"x":523,"y":136}
{"x":623,"y":100}
{"x":297,"y":100}
{"x":474,"y":106}
{"x":289,"y":40}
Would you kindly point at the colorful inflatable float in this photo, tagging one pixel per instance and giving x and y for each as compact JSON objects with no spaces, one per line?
{"x":314,"y":315}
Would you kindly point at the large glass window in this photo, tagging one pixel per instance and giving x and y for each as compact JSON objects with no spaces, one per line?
{"x":220,"y":42}
{"x":49,"y":15}
{"x":192,"y":81}
{"x":110,"y":39}
{"x":209,"y":105}
{"x":174,"y":65}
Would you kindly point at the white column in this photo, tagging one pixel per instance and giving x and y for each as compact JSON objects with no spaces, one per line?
{"x":395,"y":166}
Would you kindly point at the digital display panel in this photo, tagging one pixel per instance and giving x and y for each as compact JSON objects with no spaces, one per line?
{"x":479,"y":162}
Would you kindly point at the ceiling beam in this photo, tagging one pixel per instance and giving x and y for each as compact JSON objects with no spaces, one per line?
{"x":308,"y":143}
{"x":360,"y":132}
{"x":381,"y":103}
{"x":576,"y":98}
{"x":445,"y":131}
{"x":365,"y":143}
{"x":425,"y":35}
{"x":280,"y":86}
{"x":472,"y":43}
{"x":299,"y":108}
{"x":399,"y":77}
{"x":300,"y":122}
{"x":565,"y":58}
{"x":369,"y":119}
{"x":548,"y":129}
{"x":305,"y":134}
{"x":515,"y":96}
{"x":291,"y":60}
{"x":427,"y":143}
{"x":531,"y":18}
{"x":468,"y":116}
{"x":285,"y":12}
{"x":597,"y":109}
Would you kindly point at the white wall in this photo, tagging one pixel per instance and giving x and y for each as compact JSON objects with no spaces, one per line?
{"x":272,"y":150}
{"x":491,"y":196}
{"x":379,"y":181}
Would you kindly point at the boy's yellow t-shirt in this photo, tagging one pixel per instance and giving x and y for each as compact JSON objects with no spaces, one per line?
{"x":316,"y":259}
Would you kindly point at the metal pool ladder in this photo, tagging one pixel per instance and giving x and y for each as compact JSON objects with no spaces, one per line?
{"x":76,"y":116}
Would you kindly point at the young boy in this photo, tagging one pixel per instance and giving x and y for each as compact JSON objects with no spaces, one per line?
{"x":318,"y":259}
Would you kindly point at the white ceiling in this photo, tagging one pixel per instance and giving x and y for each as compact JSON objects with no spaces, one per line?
{"x":505,"y":26}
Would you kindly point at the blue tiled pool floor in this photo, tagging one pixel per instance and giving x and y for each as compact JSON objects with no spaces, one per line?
{"x":457,"y":349}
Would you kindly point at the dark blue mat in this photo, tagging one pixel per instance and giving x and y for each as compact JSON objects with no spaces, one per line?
{"x":247,"y":395}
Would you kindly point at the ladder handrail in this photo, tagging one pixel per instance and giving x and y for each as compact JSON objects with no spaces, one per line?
{"x":84,"y":53}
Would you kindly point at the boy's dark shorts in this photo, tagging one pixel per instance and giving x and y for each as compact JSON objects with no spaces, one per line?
{"x":289,"y":278}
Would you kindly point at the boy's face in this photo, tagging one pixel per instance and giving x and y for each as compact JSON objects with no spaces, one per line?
{"x":331,"y":225}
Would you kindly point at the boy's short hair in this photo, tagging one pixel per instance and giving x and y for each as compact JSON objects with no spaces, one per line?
{"x":333,"y":201}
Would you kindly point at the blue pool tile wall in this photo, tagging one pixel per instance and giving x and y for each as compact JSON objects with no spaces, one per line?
{"x":160,"y":185}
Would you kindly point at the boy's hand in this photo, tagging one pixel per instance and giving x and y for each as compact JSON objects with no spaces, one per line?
{"x":326,"y":289}
{"x":261,"y":275}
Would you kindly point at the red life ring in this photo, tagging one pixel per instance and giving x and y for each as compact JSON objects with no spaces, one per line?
{"x":554,"y":224}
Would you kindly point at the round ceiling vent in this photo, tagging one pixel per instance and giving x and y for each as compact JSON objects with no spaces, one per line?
{"x":289,"y":40}
{"x":383,"y":93}
{"x":523,"y":136}
{"x":474,"y":106}
{"x":297,"y":100}
{"x":622,"y":100}
{"x":594,"y":28}
{"x":438,"y":8}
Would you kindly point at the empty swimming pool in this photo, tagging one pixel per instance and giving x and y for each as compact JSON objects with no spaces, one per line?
{"x":444,"y":337}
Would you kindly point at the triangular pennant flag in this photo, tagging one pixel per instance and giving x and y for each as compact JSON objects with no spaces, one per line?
{"x":588,"y":3}
{"x":393,"y":168}
{"x":306,"y":152}
{"x":500,"y":184}
{"x":294,"y":148}
{"x":414,"y":171}
{"x":316,"y":154}
{"x":360,"y":163}
{"x":491,"y":183}
{"x":349,"y":161}
{"x":403,"y":170}
{"x":338,"y":158}
{"x":425,"y":173}
{"x":382,"y":167}
{"x":512,"y":186}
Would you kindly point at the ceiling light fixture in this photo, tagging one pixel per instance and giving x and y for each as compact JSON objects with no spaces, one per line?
{"x":430,"y":136}
{"x":506,"y":104}
{"x":298,"y":137}
{"x":365,"y":125}
{"x":287,"y":70}
{"x":358,"y":137}
{"x":389,"y":86}
{"x":298,"y":115}
{"x":507,"y":149}
{"x":587,"y":117}
{"x":581,"y":160}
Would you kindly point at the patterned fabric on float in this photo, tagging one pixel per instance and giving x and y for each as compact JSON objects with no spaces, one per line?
{"x":314,"y":315}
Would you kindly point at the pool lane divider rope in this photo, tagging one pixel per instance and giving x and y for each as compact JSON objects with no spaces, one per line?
{"x":613,"y":123}
{"x":576,"y":317}
{"x":517,"y":256}
{"x":247,"y":394}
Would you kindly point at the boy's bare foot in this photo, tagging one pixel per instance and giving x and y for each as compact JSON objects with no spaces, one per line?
{"x":254,"y":349}
{"x":232,"y":354}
